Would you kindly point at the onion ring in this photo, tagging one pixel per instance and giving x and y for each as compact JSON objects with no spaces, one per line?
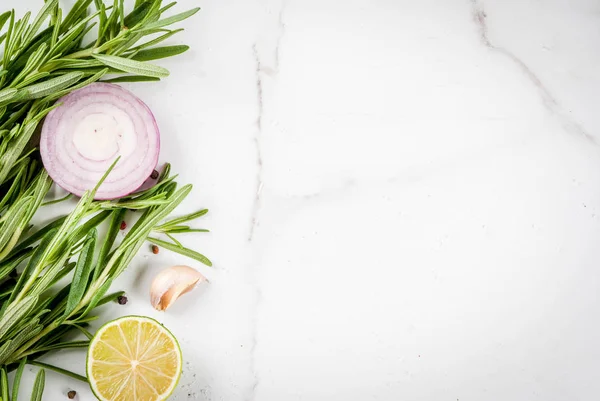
{"x":94,"y":125}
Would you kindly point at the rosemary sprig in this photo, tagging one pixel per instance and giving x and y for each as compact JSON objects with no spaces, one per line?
{"x":38,"y":308}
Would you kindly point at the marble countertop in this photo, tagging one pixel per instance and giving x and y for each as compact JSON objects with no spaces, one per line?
{"x":404,"y":201}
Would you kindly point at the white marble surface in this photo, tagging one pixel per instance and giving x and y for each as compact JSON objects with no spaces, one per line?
{"x":404,"y":196}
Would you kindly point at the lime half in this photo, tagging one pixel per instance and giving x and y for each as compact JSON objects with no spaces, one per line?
{"x":133,"y":358}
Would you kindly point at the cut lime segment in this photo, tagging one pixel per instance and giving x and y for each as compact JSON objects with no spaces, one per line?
{"x":133,"y":358}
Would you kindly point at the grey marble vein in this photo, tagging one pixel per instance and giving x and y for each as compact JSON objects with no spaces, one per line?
{"x":255,"y":209}
{"x":261,"y":71}
{"x":281,"y":27}
{"x":251,"y":393}
{"x":549,"y":101}
{"x":259,"y":161}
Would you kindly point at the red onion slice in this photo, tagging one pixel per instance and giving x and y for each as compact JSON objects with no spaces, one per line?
{"x":93,"y":126}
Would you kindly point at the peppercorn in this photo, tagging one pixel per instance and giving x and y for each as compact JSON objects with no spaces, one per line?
{"x":123,"y":225}
{"x":122,"y":299}
{"x":71,"y":394}
{"x":154,"y":175}
{"x":154,"y":249}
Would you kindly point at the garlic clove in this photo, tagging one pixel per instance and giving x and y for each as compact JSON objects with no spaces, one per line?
{"x":171,"y":283}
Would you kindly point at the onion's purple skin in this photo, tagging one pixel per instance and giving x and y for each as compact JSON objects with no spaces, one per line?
{"x":76,"y":173}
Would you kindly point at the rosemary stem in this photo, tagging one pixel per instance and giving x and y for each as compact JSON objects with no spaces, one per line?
{"x":27,"y":285}
{"x":81,"y":54}
{"x":59,"y":370}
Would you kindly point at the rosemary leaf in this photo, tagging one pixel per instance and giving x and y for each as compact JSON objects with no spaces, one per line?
{"x":77,"y":11}
{"x":108,"y":28}
{"x":122,"y":13}
{"x":3,"y":18}
{"x":168,"y":6}
{"x":15,"y":149}
{"x":181,"y":250}
{"x":55,"y":201}
{"x":132,"y":78}
{"x":110,"y":297}
{"x":32,"y":64}
{"x":38,"y":190}
{"x":137,"y":15}
{"x":13,"y":224}
{"x":95,"y":77}
{"x":82,"y":272}
{"x":172,"y":238}
{"x":8,"y":40}
{"x":6,"y":349}
{"x":39,"y":20}
{"x":53,"y":272}
{"x":132,"y":66}
{"x":86,"y":228}
{"x":183,"y":219}
{"x":4,"y":384}
{"x":72,"y":36}
{"x":86,"y":319}
{"x":38,"y":386}
{"x":169,"y":20}
{"x":59,"y":370}
{"x":52,"y":85}
{"x":159,"y":52}
{"x":9,"y":265}
{"x":157,"y":40}
{"x":39,"y":234}
{"x":83,"y":330}
{"x":22,"y":333}
{"x":111,"y":235}
{"x":181,"y":230}
{"x":32,"y":78}
{"x":15,"y":312}
{"x":97,"y":297}
{"x":56,"y":27}
{"x":63,"y":345}
{"x":7,"y":94}
{"x":17,"y":379}
{"x":33,"y":262}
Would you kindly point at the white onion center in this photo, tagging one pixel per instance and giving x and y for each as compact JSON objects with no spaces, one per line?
{"x":101,"y":137}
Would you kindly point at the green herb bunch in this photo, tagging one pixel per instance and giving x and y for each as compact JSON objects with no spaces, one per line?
{"x":37,"y":312}
{"x":41,"y":61}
